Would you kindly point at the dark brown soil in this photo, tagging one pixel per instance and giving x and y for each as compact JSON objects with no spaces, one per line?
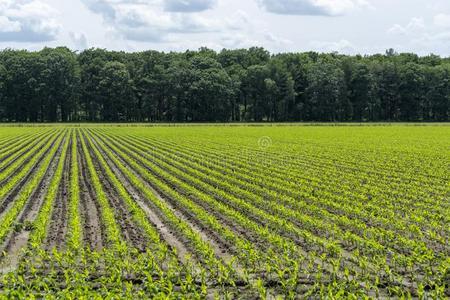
{"x":58,"y":224}
{"x":165,"y":232}
{"x":93,"y":231}
{"x":132,"y":233}
{"x":7,"y":200}
{"x":220,"y":246}
{"x":31,"y":142}
{"x":224,"y":220}
{"x":18,"y":239}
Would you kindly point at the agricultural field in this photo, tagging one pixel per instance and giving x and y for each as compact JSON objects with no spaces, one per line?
{"x":225,"y":212}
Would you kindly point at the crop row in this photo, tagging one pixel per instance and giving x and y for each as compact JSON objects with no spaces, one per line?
{"x":203,"y":212}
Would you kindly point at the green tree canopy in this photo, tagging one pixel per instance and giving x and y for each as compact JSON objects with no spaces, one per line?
{"x":231,"y":85}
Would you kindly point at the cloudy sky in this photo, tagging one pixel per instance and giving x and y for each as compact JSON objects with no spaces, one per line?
{"x":346,"y":26}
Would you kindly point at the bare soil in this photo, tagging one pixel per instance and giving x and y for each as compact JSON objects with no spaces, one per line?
{"x":132,"y":233}
{"x":6,"y":202}
{"x":93,"y":231}
{"x":18,"y":239}
{"x":58,"y":224}
{"x":221,"y":248}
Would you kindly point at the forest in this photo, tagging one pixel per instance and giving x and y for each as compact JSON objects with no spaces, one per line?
{"x":244,"y":85}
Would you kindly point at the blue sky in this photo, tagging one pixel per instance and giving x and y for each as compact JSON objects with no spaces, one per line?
{"x":346,"y":26}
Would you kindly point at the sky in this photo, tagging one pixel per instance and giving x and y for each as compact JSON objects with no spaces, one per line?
{"x":344,"y":26}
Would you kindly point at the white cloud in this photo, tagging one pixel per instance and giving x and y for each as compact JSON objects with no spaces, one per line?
{"x":414,"y":26}
{"x":27,"y":21}
{"x":421,"y":38}
{"x":342,"y":46}
{"x":276,"y":41}
{"x":140,"y":24}
{"x":6,"y":25}
{"x":102,"y":7}
{"x":442,"y":20}
{"x":158,"y":21}
{"x":150,"y":22}
{"x":313,"y":7}
{"x":188,"y":5}
{"x":238,"y":40}
{"x":263,"y":38}
{"x":239,"y":20}
{"x":428,"y":39}
{"x":397,"y":29}
{"x":437,"y":42}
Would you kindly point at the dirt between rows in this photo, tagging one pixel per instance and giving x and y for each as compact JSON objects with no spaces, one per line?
{"x":186,"y":169}
{"x":17,"y":240}
{"x":239,"y":230}
{"x":31,"y":142}
{"x":9,"y":143}
{"x":297,"y":239}
{"x":132,"y":233}
{"x":34,"y":143}
{"x":93,"y":229}
{"x":58,"y":222}
{"x":167,"y":232}
{"x":350,"y":260}
{"x":6,"y":202}
{"x":222,"y":248}
{"x":232,"y":226}
{"x":279,"y":175}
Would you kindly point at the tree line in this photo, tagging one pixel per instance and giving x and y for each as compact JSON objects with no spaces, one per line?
{"x":245,"y":85}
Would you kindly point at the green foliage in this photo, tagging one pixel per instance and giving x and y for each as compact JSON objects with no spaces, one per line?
{"x":231,"y":85}
{"x":334,"y":212}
